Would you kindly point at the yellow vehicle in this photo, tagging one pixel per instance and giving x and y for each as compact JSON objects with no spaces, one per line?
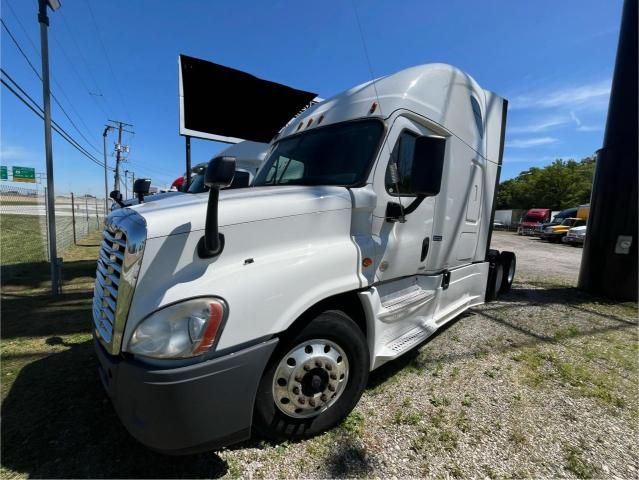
{"x":555,"y":233}
{"x":583,"y":211}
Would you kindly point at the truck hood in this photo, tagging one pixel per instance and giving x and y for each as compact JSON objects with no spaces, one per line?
{"x":186,"y":213}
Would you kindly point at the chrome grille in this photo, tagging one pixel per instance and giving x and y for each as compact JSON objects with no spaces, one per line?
{"x":119,"y":264}
{"x":107,"y":282}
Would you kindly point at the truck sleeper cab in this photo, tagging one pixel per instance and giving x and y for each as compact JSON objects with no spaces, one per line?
{"x":265,"y":308}
{"x":557,"y":219}
{"x":533,"y":220}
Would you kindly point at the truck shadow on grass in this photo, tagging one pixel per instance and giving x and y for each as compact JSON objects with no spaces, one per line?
{"x":57,"y":422}
{"x":38,"y":274}
{"x":41,"y":316}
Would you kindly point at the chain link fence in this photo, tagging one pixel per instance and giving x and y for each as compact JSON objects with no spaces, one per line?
{"x":24,"y":230}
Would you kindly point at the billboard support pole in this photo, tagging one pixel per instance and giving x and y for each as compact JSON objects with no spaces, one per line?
{"x":187,"y":178}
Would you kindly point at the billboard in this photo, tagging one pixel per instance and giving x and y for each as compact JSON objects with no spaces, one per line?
{"x":227,"y":105}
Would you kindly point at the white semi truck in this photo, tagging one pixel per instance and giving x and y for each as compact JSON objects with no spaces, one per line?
{"x":265,"y":308}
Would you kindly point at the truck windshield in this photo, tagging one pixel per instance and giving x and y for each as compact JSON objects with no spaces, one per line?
{"x":337,"y":154}
{"x":197,"y":180}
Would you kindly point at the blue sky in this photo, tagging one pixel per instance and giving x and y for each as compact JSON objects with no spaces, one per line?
{"x":118,"y":59}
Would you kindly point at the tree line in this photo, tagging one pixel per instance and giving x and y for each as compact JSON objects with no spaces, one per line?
{"x":562,"y":184}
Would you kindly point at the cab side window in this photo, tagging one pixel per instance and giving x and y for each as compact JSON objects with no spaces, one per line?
{"x":398,"y":172}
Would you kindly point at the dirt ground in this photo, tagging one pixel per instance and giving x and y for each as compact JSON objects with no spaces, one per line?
{"x":542,"y":383}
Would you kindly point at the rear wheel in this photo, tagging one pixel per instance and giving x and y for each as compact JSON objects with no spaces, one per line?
{"x":495,"y":276}
{"x":509,"y":263}
{"x":313,"y":380}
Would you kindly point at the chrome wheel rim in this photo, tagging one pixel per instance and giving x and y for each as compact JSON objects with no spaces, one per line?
{"x":310,"y":378}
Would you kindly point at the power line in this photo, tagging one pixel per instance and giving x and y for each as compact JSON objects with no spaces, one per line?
{"x":77,"y":74}
{"x":35,"y":108}
{"x":35,"y":70}
{"x":106,"y":56}
{"x":35,"y":49}
{"x":99,"y":92}
{"x":143,"y":168}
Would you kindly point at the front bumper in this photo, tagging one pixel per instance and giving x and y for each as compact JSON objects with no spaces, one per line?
{"x":187,"y":409}
{"x":552,"y":236}
{"x":527,"y":230}
{"x":575,"y":240}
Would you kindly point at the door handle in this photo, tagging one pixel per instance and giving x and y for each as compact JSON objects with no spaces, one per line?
{"x":425,"y":245}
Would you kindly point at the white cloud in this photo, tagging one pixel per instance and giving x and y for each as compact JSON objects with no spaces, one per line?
{"x":13,"y":153}
{"x":530,"y":142}
{"x":597,"y":92}
{"x":539,"y":126}
{"x":546,"y":159}
{"x":580,"y":126}
{"x":575,"y":118}
{"x":589,"y":128}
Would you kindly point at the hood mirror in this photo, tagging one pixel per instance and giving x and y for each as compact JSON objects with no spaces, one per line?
{"x":219,"y":174}
{"x":141,"y":188}
{"x":116,"y":196}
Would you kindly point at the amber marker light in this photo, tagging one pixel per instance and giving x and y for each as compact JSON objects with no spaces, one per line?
{"x":216,"y":311}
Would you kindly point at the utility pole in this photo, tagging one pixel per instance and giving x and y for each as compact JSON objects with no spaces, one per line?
{"x":126,"y":184}
{"x":119,"y":148}
{"x":43,"y":19}
{"x":106,"y":183}
{"x":609,"y":259}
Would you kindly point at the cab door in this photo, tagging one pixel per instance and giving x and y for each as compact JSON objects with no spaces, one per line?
{"x":403,"y":245}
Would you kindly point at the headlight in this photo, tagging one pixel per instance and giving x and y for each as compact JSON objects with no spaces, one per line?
{"x":580,"y":234}
{"x":184,"y":329}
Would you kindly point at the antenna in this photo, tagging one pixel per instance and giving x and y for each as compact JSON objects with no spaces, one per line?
{"x":393,"y":166}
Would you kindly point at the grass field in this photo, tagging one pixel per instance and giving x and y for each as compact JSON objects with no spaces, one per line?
{"x":22,"y":239}
{"x":542,"y":383}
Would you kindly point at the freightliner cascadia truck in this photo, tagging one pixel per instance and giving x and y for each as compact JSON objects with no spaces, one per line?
{"x":264,"y":309}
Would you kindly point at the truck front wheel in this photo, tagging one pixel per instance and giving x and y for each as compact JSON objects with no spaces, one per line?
{"x":314,"y":380}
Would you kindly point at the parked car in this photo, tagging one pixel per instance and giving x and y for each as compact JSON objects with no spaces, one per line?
{"x":556,"y":233}
{"x":575,"y":236}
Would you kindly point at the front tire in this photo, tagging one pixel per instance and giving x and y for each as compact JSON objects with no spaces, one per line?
{"x":313,"y":380}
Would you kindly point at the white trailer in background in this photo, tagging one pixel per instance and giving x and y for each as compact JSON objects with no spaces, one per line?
{"x":366,"y":229}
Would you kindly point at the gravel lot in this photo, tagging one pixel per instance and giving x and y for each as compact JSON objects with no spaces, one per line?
{"x":540,"y":260}
{"x":542,"y":383}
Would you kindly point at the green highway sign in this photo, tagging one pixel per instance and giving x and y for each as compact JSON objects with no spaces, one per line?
{"x":24,"y":174}
{"x":3,"y":173}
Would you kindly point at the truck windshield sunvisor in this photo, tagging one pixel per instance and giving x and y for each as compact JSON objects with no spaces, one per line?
{"x":338,"y":155}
